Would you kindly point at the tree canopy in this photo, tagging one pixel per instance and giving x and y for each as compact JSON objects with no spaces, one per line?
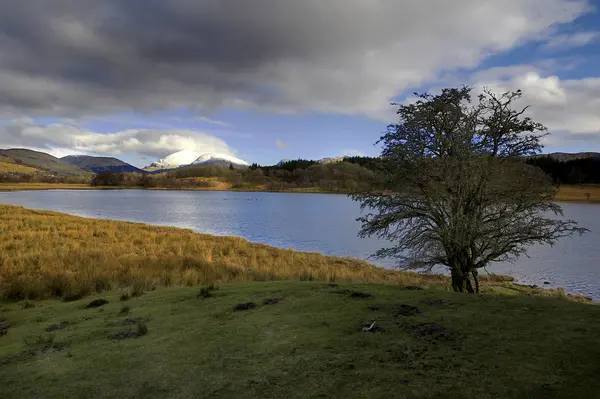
{"x":461,"y":194}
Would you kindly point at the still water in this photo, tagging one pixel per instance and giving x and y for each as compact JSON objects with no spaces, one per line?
{"x":312,"y":222}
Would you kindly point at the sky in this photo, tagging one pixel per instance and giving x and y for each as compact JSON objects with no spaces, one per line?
{"x":266,"y":80}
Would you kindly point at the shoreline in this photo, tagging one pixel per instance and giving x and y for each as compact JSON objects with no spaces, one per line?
{"x":567,"y":197}
{"x":209,"y":258}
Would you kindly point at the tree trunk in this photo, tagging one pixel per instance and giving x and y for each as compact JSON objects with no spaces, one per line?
{"x":469,"y":285}
{"x":458,"y":280}
{"x":475,"y":274}
{"x":461,"y":281}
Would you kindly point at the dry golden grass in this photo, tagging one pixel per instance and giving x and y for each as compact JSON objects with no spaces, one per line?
{"x":45,"y":254}
{"x":10,"y":166}
{"x":45,"y":186}
{"x":48,"y":254}
{"x":579,"y":193}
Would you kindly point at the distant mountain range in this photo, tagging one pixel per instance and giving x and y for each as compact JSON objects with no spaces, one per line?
{"x":43,"y":162}
{"x":566,"y":157}
{"x":25,"y":161}
{"x":101,"y":164}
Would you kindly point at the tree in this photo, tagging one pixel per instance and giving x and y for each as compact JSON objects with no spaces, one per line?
{"x":460,"y":193}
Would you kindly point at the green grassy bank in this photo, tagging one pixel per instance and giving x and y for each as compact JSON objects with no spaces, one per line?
{"x":301,"y":340}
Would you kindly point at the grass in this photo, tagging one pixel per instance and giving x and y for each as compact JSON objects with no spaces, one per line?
{"x":210,"y":184}
{"x":44,"y":186}
{"x":567,"y":193}
{"x":48,"y":254}
{"x":579,"y":193}
{"x":8,"y":165}
{"x":307,"y":345}
{"x":45,"y":254}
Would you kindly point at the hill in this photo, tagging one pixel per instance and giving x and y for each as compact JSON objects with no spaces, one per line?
{"x":101,"y":164}
{"x":566,"y":157}
{"x":42,"y":161}
{"x":9,"y":165}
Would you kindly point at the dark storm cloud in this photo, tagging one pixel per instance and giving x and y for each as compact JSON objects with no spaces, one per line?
{"x":81,"y":57}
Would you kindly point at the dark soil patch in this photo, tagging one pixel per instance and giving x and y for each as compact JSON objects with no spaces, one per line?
{"x":436,"y":303}
{"x":332,"y":285}
{"x":72,"y":297}
{"x":372,"y":328}
{"x":271,"y":301}
{"x":127,"y":322}
{"x":59,"y":326}
{"x":96,"y":303}
{"x":46,"y":349}
{"x":354,"y":294}
{"x":244,"y":306}
{"x":432,"y":332}
{"x":263,"y":293}
{"x":412,"y":288}
{"x":118,"y":336}
{"x":405,"y":310}
{"x":397,"y":310}
{"x":50,"y":349}
{"x":204,"y":293}
{"x":4,"y":327}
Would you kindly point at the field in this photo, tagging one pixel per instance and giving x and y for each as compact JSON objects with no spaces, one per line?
{"x":576,"y":193}
{"x":44,"y":186}
{"x":48,"y":254}
{"x":301,"y":340}
{"x":567,"y":193}
{"x":10,"y":166}
{"x":102,"y":309}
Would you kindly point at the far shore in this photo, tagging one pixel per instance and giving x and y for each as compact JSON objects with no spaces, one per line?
{"x":586,"y":193}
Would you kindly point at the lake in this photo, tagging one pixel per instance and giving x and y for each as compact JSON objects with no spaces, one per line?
{"x":312,"y":222}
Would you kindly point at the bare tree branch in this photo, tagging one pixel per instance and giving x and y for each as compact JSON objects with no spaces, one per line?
{"x":461,"y":195}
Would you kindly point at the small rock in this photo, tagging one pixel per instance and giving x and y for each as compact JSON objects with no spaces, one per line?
{"x":372,"y":328}
{"x":244,"y":306}
{"x":546,"y":283}
{"x":96,"y":303}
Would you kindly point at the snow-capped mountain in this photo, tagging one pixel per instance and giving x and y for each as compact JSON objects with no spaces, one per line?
{"x":175,"y":160}
{"x":211,"y":158}
{"x":331,"y":160}
{"x":187,"y":157}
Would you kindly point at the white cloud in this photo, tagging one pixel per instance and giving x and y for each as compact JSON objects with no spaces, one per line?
{"x":65,"y":140}
{"x":568,"y":107}
{"x":572,"y":40}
